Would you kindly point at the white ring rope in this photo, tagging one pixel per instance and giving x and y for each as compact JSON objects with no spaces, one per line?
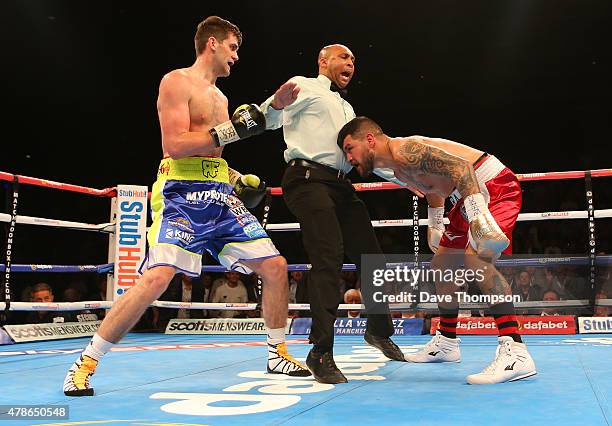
{"x":31,"y":220}
{"x":92,"y":305}
{"x":385,"y":223}
{"x":599,"y":214}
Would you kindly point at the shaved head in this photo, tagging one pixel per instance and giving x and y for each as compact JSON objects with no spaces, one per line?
{"x":326,"y":51}
{"x":337,"y":62}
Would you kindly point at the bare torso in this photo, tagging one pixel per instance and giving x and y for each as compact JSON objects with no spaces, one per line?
{"x":207,"y":107}
{"x":425,"y":182}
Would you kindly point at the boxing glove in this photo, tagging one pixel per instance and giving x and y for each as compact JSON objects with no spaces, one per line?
{"x":435,"y":227}
{"x":247,"y":120}
{"x":250,"y":190}
{"x":485,"y":234}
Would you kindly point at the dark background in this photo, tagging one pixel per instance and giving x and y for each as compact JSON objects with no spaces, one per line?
{"x":527,"y":80}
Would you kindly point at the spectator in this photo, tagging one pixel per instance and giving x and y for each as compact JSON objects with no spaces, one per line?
{"x":219,"y":281}
{"x":348,"y":280}
{"x":207,"y":282}
{"x":99,"y":294}
{"x":295,"y":279}
{"x":604,"y":277}
{"x":73,"y":294}
{"x":26,"y":294}
{"x":550,"y":281}
{"x":229,"y":290}
{"x":601,"y":311}
{"x":550,"y":296}
{"x":353,"y":296}
{"x":42,"y":293}
{"x":575,"y":286}
{"x":525,"y":288}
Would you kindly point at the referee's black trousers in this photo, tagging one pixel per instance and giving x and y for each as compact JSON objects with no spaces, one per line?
{"x":334,"y":222}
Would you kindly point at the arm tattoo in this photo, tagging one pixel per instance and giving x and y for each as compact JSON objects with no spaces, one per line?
{"x":233,"y":175}
{"x":432,"y":160}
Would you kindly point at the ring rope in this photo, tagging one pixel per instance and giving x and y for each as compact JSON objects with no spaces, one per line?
{"x":108,"y":267}
{"x":112,"y":192}
{"x":523,"y":217}
{"x":430,"y":307}
{"x":110,"y":226}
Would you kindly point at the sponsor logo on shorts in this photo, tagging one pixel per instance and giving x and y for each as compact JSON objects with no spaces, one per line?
{"x":210,"y":169}
{"x":240,"y":210}
{"x":175,"y":234}
{"x":246,"y":219}
{"x":181,"y":222}
{"x":164,"y":168}
{"x":195,"y":197}
{"x":454,"y":197}
{"x":254,"y":230}
{"x":451,"y":236}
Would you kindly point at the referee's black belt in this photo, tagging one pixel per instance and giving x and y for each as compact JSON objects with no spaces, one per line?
{"x":317,"y":166}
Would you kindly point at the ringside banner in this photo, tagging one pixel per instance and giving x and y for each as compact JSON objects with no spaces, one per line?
{"x":219,"y":326}
{"x":357,"y":326}
{"x":562,"y":324}
{"x":52,"y":331}
{"x":595,"y":325}
{"x":130,"y":236}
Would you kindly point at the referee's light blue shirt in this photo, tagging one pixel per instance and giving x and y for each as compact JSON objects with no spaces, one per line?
{"x":311,"y":124}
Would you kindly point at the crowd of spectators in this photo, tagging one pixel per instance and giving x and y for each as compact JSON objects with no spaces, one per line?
{"x":542,"y":283}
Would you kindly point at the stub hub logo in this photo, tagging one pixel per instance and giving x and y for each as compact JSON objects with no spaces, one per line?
{"x":129,"y":235}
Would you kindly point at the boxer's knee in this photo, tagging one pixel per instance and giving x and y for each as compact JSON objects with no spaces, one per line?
{"x":274,"y":268}
{"x":157,"y":279}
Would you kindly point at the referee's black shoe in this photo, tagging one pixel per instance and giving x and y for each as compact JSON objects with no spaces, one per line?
{"x":323,"y":368}
{"x":386,"y":346}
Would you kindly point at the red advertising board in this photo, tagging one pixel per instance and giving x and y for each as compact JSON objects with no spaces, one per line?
{"x":563,"y":324}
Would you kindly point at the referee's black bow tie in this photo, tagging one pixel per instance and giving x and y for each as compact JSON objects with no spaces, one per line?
{"x":341,"y":92}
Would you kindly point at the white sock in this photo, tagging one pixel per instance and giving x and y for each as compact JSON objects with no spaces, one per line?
{"x":276,"y":336}
{"x":97,"y":347}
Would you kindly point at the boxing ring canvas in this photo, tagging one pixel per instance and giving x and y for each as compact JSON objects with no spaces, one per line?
{"x":153,"y":379}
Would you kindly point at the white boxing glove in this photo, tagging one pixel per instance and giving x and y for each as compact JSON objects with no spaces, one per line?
{"x":485,"y":234}
{"x":435,"y":227}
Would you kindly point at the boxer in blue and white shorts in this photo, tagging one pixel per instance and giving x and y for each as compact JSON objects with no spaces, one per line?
{"x":195,"y":209}
{"x":196,"y":205}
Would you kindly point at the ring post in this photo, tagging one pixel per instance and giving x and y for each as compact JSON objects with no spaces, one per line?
{"x":130,"y":236}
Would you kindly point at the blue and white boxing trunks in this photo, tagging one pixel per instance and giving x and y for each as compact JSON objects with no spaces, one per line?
{"x":194,"y":209}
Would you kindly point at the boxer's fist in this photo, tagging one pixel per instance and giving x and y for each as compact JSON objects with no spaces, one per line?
{"x":250,"y":190}
{"x":435,"y":227}
{"x":247,"y":120}
{"x":485,"y":234}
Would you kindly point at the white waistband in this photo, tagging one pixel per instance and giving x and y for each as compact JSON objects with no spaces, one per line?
{"x":488,"y":169}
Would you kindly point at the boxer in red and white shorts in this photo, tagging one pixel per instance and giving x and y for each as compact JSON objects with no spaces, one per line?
{"x":502,"y":192}
{"x":487,"y":201}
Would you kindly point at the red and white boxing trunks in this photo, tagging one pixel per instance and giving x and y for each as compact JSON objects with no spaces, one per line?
{"x":502,"y":192}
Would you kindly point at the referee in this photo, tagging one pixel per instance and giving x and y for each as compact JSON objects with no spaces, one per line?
{"x":333,"y":220}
